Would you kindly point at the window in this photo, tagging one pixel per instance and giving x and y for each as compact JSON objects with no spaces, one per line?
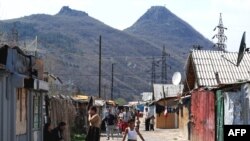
{"x":36,"y":111}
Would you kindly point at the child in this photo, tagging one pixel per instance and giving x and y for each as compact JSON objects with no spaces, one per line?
{"x":132,"y":132}
{"x":152,"y":123}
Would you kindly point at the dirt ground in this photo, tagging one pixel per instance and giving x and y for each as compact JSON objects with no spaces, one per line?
{"x":157,"y":135}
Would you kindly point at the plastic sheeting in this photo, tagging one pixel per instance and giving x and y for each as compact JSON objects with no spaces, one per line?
{"x":237,"y":106}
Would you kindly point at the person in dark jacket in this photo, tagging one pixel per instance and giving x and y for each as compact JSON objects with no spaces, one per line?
{"x":57,"y":133}
{"x":47,"y":132}
{"x":110,"y":121}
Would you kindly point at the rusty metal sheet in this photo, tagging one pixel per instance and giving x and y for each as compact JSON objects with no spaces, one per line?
{"x":202,"y":116}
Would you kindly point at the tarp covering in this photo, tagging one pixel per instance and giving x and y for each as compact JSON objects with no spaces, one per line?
{"x":80,"y":98}
{"x":237,"y":106}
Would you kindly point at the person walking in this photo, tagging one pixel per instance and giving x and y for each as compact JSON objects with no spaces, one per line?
{"x":147,"y":119}
{"x":132,"y":132}
{"x":57,"y":133}
{"x":110,"y":121}
{"x":152,"y":123}
{"x":94,"y":125}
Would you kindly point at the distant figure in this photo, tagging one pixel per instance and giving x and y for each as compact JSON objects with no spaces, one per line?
{"x":94,"y":128}
{"x":47,"y":132}
{"x":126,"y":118}
{"x":110,"y":121}
{"x":57,"y":133}
{"x":132,"y":132}
{"x":152,"y":123}
{"x":147,"y":119}
{"x":137,"y":122}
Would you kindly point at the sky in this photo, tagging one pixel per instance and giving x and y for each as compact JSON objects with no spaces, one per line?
{"x":203,"y":15}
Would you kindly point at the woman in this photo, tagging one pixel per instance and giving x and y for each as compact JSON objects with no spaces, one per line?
{"x":132,"y":132}
{"x":47,"y":132}
{"x":94,"y":125}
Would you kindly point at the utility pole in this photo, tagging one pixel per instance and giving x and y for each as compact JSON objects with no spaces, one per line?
{"x":112,"y":82}
{"x":164,"y":66}
{"x":100,"y":64}
{"x":153,"y":72}
{"x":220,"y":35}
{"x":153,"y":77}
{"x":104,"y":92}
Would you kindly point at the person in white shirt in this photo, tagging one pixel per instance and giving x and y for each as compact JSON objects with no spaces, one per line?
{"x":132,"y":132}
{"x":147,"y":119}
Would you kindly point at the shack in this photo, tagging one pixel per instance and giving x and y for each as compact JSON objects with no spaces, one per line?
{"x":166,"y":105}
{"x":219,"y":92}
{"x":81,"y":120}
{"x":21,"y":94}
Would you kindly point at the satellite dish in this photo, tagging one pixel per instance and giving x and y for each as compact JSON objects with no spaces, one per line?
{"x":176,"y":79}
{"x":242,"y":49}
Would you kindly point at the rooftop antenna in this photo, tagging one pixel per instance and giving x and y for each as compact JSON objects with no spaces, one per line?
{"x":242,"y":49}
{"x":220,"y":45}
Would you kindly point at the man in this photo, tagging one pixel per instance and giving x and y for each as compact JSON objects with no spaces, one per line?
{"x":110,"y":121}
{"x":57,"y":133}
{"x":147,"y":119}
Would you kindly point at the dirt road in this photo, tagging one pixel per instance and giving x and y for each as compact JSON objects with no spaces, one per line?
{"x":157,"y":135}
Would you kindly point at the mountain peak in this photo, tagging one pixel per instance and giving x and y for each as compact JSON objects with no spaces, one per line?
{"x":157,"y":14}
{"x":66,"y":10}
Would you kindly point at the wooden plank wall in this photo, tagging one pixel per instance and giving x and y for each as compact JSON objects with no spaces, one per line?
{"x":166,"y":122}
{"x":184,"y":112}
{"x":21,"y":111}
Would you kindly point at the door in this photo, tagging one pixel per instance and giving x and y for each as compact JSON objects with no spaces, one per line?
{"x":202,"y":116}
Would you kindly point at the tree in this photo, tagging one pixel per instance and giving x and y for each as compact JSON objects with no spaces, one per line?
{"x":120,"y":101}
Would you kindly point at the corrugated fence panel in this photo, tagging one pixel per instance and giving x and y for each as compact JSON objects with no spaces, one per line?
{"x":203,"y":116}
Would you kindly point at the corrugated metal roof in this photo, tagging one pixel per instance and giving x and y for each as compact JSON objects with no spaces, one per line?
{"x":207,"y":63}
{"x":169,"y":89}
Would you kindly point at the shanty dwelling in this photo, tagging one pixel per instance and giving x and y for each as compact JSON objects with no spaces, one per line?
{"x":233,"y":106}
{"x":219,"y":92}
{"x":21,"y":94}
{"x":81,"y":120}
{"x":166,"y":105}
{"x":61,"y":108}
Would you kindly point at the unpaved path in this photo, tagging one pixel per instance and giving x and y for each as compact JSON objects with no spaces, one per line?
{"x":157,"y":135}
